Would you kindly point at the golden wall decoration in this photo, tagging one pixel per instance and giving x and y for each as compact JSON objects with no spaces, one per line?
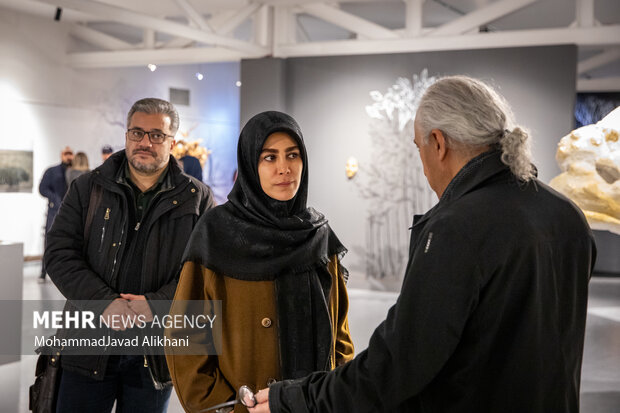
{"x":351,"y":167}
{"x":186,"y":147}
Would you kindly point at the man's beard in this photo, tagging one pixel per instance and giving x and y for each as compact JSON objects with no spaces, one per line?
{"x":146,"y":168}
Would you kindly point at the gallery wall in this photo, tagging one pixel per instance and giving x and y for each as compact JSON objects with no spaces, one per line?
{"x":45,"y":105}
{"x":328,"y":97}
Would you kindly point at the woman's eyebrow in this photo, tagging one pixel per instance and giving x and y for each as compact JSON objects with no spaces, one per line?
{"x":292,"y":148}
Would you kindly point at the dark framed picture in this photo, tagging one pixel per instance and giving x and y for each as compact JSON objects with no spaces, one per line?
{"x":15,"y":171}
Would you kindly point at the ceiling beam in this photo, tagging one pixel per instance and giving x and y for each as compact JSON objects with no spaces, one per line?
{"x":300,"y":2}
{"x":585,"y":13}
{"x":609,"y":35}
{"x":46,"y":11}
{"x":348,"y":21}
{"x":239,"y":17}
{"x":176,"y":43}
{"x":598,"y":60}
{"x":99,"y":39}
{"x":480,"y":17}
{"x":194,"y":16}
{"x":148,"y":38}
{"x":604,"y":84}
{"x":218,"y":19}
{"x":413,"y":17}
{"x":143,"y":57}
{"x":284,"y":26}
{"x":131,"y":18}
{"x":263,"y":28}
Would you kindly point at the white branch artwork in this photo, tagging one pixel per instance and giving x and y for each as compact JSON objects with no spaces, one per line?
{"x":394,"y":182}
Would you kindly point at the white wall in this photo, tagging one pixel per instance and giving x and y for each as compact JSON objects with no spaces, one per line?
{"x":45,"y":105}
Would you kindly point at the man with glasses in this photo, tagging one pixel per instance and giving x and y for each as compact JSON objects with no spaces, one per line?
{"x":53,"y":186}
{"x":141,"y":208}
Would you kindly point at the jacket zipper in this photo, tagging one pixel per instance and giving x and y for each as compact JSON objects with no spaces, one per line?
{"x":153,"y":218}
{"x":106,"y":218}
{"x":116,"y":253}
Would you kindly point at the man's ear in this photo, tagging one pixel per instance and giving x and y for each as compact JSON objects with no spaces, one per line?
{"x":440,"y":142}
{"x":174,"y":142}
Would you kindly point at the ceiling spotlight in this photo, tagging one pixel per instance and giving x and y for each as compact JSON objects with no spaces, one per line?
{"x":238,"y":83}
{"x":199,"y":76}
{"x":152,"y":67}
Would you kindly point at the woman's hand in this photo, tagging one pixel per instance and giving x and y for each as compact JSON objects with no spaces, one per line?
{"x":262,"y":398}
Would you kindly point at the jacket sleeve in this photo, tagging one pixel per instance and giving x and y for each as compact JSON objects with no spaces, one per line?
{"x":197,"y":379}
{"x":64,"y":256}
{"x":407,"y":350}
{"x":344,"y":350}
{"x":167,"y":291}
{"x":46,"y":189}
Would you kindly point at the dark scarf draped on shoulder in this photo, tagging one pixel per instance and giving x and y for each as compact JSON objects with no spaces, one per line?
{"x":253,"y":237}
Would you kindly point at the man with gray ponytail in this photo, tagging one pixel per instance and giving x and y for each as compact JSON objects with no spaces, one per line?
{"x":491,"y":315}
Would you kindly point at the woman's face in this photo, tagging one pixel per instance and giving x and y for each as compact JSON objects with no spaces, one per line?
{"x":280,"y":167}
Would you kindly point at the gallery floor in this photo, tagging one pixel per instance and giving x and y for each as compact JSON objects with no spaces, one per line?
{"x":601,"y":367}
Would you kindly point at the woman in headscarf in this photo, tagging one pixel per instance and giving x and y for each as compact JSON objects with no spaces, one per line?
{"x":275,"y":265}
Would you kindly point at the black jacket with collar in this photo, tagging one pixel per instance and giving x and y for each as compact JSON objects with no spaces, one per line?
{"x":491,"y":314}
{"x":87,"y":270}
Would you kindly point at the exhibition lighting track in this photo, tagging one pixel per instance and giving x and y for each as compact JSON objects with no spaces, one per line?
{"x":276,"y":31}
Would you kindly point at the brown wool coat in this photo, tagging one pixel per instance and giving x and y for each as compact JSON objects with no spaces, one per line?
{"x":250,"y":348}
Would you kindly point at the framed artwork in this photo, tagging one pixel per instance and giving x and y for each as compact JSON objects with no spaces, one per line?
{"x":15,"y":171}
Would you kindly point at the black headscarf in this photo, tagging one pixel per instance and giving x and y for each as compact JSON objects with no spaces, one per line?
{"x":254,"y":237}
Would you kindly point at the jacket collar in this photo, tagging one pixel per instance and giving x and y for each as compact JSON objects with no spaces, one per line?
{"x":475,"y":173}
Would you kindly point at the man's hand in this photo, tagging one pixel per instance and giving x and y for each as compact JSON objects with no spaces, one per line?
{"x":262,"y":398}
{"x":118,"y":315}
{"x":139,"y":305}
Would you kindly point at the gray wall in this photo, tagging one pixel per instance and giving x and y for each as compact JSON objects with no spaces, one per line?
{"x":328,"y":95}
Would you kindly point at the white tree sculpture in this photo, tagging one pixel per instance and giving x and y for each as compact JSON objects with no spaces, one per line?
{"x":393,"y":182}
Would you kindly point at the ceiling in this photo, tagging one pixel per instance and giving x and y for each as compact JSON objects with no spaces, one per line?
{"x":117,"y":33}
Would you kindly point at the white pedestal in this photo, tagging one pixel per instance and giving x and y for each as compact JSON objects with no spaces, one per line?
{"x":12,"y":282}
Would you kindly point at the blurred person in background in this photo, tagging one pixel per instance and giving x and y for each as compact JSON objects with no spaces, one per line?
{"x":78,"y":167}
{"x":53,"y":186}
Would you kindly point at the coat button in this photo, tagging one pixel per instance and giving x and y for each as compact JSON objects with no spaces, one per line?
{"x":114,"y":244}
{"x":270,"y":381}
{"x":175,"y":202}
{"x":193,"y":190}
{"x":95,"y":372}
{"x":266,"y":322}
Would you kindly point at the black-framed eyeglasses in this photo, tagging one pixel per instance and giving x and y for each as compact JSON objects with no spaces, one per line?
{"x":137,"y":135}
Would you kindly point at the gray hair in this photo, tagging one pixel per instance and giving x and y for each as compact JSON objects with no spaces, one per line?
{"x":154,"y":106}
{"x":472,"y":115}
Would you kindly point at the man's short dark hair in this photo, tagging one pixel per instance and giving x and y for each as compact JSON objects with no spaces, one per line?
{"x":154,"y":106}
{"x":106,"y":149}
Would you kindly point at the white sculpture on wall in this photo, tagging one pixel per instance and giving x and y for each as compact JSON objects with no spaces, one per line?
{"x":590,"y":161}
{"x":394,"y":181}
